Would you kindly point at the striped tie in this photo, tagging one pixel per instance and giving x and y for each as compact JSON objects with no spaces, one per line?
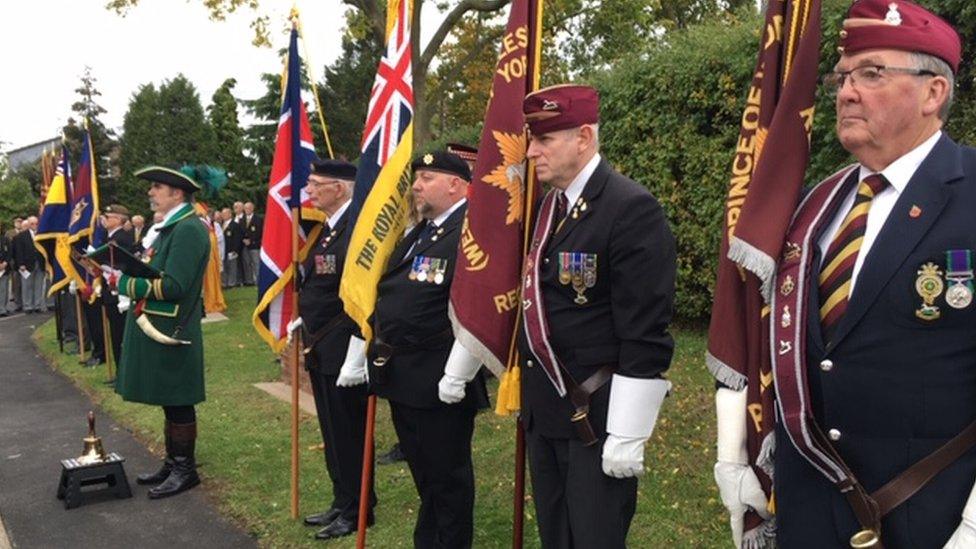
{"x":838,"y":262}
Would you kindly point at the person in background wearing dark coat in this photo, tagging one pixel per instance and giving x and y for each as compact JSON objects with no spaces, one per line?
{"x":233,"y":247}
{"x":30,"y":266}
{"x":252,"y":225}
{"x":6,"y":267}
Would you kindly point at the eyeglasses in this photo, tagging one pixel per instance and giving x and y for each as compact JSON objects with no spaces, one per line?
{"x":869,"y":77}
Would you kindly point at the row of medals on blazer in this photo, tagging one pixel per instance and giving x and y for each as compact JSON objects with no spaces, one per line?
{"x":928,"y":284}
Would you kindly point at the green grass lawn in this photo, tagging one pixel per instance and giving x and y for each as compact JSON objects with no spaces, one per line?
{"x":244,"y":450}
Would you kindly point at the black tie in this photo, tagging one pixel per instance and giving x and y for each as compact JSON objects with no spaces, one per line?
{"x":425,"y":235}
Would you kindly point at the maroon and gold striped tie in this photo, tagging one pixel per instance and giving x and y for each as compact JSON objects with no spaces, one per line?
{"x":838,"y":262}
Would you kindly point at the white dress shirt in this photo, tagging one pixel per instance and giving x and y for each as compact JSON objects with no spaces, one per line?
{"x":898,"y":174}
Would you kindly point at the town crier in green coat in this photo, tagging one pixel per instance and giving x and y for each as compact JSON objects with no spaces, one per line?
{"x":162,"y":354}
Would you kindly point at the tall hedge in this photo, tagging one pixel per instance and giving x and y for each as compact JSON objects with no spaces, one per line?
{"x":670,"y":117}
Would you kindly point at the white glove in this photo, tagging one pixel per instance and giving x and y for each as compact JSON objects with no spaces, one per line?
{"x":965,"y":535}
{"x":124,"y":303}
{"x":461,"y":367}
{"x":353,"y":371}
{"x":631,"y":416}
{"x":738,"y":485}
{"x":73,"y":286}
{"x":291,"y":327}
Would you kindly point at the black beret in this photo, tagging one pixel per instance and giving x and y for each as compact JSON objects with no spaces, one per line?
{"x":168,"y":176}
{"x":338,"y":169}
{"x":444,"y":162}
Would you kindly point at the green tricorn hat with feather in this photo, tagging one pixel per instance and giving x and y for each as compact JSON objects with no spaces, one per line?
{"x":207,"y":180}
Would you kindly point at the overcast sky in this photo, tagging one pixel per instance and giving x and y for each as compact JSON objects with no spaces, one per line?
{"x":46,"y":45}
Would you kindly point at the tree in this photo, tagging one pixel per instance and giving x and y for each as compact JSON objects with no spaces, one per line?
{"x":17,"y":199}
{"x":344,"y":86}
{"x":242,"y":174}
{"x":374,"y":13}
{"x":164,"y":127}
{"x":103,"y":140}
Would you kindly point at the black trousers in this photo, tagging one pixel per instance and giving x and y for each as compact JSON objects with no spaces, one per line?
{"x":93,"y":324}
{"x":437,"y":445}
{"x":116,"y":325}
{"x":576,"y":505}
{"x":342,"y":420}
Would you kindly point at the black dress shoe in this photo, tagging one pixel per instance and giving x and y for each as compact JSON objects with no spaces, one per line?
{"x":94,"y":361}
{"x":323,"y":519}
{"x":340,"y":527}
{"x":159,"y":476}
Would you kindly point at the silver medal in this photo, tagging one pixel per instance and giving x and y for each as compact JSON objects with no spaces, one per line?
{"x":959,"y":296}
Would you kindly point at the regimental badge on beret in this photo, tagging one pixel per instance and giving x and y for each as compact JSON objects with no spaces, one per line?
{"x":428,"y":159}
{"x":549,"y":105}
{"x":444,"y":162}
{"x":893,"y":17}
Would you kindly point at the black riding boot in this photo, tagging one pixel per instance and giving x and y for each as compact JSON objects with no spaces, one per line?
{"x":184,"y":474}
{"x":163,"y":472}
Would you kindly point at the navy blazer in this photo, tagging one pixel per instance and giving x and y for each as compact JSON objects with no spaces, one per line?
{"x":897,"y":386}
{"x":628,"y":309}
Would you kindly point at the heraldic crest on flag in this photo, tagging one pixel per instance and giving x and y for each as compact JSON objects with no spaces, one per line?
{"x":509,"y":174}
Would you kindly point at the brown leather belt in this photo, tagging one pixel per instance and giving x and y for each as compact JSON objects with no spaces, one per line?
{"x":323,"y":331}
{"x":870,"y":508}
{"x":579,"y":395}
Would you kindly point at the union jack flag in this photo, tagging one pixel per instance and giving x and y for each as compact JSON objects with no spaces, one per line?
{"x":293,"y":156}
{"x":379,"y":205}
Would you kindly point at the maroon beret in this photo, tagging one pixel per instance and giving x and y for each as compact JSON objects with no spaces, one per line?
{"x":899,"y":25}
{"x":560,"y":108}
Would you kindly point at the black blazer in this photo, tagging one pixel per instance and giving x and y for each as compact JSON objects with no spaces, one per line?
{"x":318,"y":299}
{"x":233,"y":238}
{"x":625,"y":319}
{"x":899,"y":386}
{"x":24,"y":253}
{"x":252,"y":231}
{"x":411,"y":311}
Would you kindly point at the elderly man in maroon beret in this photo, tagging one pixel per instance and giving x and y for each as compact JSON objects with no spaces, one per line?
{"x":598,"y":292}
{"x":873,"y":325}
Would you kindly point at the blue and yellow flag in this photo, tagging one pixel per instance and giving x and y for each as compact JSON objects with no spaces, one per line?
{"x":379,"y":202}
{"x":52,"y":228}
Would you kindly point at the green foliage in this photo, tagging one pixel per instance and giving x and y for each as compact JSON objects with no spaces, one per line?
{"x":344,"y":93}
{"x":244,"y":184}
{"x":103,"y":140}
{"x":164,"y":127}
{"x":259,"y":137}
{"x":669,"y":120}
{"x":17,"y":199}
{"x":245,"y":437}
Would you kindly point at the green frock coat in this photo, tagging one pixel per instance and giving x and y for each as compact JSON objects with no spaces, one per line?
{"x":152,"y":372}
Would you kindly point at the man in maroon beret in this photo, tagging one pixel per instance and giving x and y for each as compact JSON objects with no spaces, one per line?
{"x":873,"y":323}
{"x":598,"y":291}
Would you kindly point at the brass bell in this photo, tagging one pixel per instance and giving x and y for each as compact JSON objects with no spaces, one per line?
{"x":864,"y":539}
{"x":94,"y":452}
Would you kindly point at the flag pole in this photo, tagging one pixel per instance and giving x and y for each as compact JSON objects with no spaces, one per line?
{"x":295,"y":351}
{"x":107,"y":341}
{"x":81,"y":330}
{"x":367,"y":475}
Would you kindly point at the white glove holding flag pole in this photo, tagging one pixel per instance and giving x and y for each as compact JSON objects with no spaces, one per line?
{"x":353,"y":371}
{"x":124,"y":304}
{"x":737,"y":482}
{"x":461,"y":368}
{"x":965,"y":535}
{"x":72,"y":286}
{"x":631,"y":416}
{"x":291,"y":327}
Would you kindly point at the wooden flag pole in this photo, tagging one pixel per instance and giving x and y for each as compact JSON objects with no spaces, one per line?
{"x":107,"y":341}
{"x":367,"y":476}
{"x":295,"y":352}
{"x":81,"y":327}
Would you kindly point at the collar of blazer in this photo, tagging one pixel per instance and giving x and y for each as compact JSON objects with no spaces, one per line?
{"x":584,"y":205}
{"x":927,"y":190}
{"x":450,"y":225}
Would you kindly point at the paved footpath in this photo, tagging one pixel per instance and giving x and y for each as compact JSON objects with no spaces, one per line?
{"x":42,"y":420}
